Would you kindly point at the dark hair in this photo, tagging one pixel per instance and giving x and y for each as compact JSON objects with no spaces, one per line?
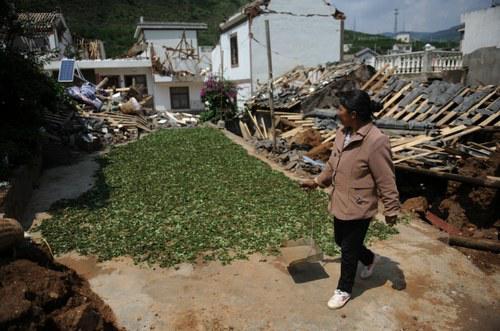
{"x":360,"y":102}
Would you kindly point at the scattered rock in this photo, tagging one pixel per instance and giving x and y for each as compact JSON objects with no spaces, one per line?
{"x":417,"y":205}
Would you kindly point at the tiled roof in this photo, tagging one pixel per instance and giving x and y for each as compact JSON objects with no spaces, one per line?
{"x":39,"y":22}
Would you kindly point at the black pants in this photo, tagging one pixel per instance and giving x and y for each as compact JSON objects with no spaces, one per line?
{"x":349,"y":236}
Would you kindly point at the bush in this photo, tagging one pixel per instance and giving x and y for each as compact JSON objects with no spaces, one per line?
{"x":219,"y":97}
{"x":25,"y":93}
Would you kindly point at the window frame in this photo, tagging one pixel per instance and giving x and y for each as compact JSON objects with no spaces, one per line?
{"x":172,"y":94}
{"x":234,"y":51}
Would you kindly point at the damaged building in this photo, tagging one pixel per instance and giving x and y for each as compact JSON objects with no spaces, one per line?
{"x":166,"y":61}
{"x":240,"y":54}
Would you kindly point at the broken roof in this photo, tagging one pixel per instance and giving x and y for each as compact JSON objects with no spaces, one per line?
{"x":252,"y":9}
{"x":40,"y":22}
{"x":366,"y":50}
{"x":168,"y":26}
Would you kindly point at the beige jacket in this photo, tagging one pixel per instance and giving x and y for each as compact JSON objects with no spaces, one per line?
{"x":359,"y":174}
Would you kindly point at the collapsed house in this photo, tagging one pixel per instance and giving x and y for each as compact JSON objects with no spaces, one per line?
{"x":104,"y":117}
{"x":166,"y":62}
{"x":440,"y":131}
{"x":241,"y":55}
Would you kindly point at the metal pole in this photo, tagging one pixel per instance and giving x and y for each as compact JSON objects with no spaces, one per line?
{"x":270,"y":83}
{"x":221,"y":78}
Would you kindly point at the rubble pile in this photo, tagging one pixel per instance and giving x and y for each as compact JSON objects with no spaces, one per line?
{"x":442,"y":134}
{"x":305,"y":89}
{"x":432,"y":125}
{"x":104,"y":117}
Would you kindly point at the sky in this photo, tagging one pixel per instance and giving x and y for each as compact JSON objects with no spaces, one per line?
{"x":376,"y":16}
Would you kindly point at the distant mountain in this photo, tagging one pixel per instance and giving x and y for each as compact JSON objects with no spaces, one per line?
{"x":450,"y":34}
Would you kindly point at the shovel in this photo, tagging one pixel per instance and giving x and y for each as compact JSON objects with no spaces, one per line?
{"x":303,"y":250}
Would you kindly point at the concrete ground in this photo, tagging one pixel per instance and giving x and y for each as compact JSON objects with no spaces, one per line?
{"x":421,"y":284}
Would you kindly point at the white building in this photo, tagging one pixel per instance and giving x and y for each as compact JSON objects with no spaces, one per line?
{"x":403,"y":37}
{"x":480,"y":45}
{"x":168,"y":65}
{"x":366,"y":56}
{"x":481,"y":29}
{"x":303,"y":32}
{"x":399,"y":48}
{"x":175,"y":44}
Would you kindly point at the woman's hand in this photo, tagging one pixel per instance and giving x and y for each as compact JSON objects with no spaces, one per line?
{"x":391,"y":220}
{"x":308,"y":185}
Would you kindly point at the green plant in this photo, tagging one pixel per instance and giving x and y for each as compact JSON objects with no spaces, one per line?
{"x":183,"y":194}
{"x":25,"y":93}
{"x":219,"y":97}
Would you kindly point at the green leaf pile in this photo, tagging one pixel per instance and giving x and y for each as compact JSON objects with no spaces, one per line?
{"x":183,"y":194}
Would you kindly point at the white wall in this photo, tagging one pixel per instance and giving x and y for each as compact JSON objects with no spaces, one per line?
{"x":482,"y":29}
{"x":369,"y":59}
{"x":242,"y":70}
{"x":169,"y":38}
{"x":162,"y":95}
{"x":295,"y":40}
{"x":298,"y":40}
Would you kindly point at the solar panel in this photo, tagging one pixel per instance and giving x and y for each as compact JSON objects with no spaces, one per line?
{"x":66,"y":70}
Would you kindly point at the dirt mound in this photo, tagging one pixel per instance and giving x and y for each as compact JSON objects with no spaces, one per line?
{"x":417,"y":205}
{"x":39,"y":294}
{"x":310,"y":138}
{"x":481,"y":204}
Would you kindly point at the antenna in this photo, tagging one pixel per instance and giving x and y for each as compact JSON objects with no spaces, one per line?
{"x":354,"y":25}
{"x":396,"y":13}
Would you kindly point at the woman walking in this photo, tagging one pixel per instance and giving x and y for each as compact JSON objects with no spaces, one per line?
{"x":359,"y":172}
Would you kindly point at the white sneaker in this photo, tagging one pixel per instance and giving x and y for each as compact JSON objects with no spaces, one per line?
{"x":368,"y":270}
{"x":339,"y":299}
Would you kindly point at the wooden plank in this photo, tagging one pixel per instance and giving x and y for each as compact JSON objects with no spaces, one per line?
{"x":448,"y":106}
{"x":452,"y":114}
{"x":410,"y":116}
{"x":490,"y":119}
{"x":382,"y":81}
{"x":448,"y":176}
{"x":292,"y":132}
{"x":401,"y":113}
{"x":264,"y":127}
{"x":245,"y":126}
{"x":463,"y":133}
{"x":377,"y":74}
{"x":475,"y":243}
{"x":257,"y":128}
{"x":394,"y":98}
{"x":244,"y":133}
{"x":392,"y":111}
{"x":331,"y":137}
{"x":439,"y":223}
{"x":414,"y":156}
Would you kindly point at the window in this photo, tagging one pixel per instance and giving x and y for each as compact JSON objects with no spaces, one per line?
{"x":179,"y":97}
{"x":139,"y":81}
{"x":113,"y":81}
{"x":234,"y":50}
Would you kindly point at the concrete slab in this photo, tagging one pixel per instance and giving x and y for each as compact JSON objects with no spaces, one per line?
{"x":420,"y":284}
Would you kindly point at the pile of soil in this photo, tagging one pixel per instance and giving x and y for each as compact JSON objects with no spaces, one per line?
{"x":475,"y":210}
{"x":468,"y":207}
{"x":39,"y":294}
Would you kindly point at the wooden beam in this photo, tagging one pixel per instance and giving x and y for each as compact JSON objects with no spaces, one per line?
{"x":484,"y":182}
{"x":371,"y":80}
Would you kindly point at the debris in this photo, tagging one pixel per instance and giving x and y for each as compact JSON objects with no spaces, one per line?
{"x":475,"y":243}
{"x":417,"y":205}
{"x":109,"y":116}
{"x":311,"y":88}
{"x":11,"y":232}
{"x":440,"y":224}
{"x":36,"y":291}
